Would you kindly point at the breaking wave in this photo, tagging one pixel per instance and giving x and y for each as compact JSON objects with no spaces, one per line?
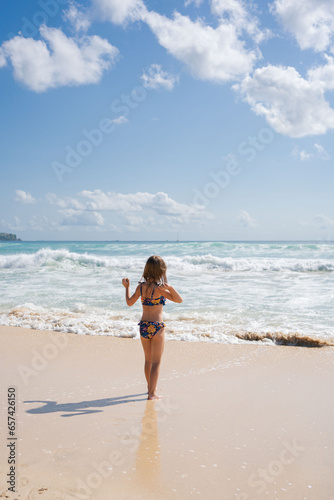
{"x":47,"y":257}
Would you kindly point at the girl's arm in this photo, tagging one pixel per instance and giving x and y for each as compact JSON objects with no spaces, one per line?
{"x":170,"y":293}
{"x":130,"y":300}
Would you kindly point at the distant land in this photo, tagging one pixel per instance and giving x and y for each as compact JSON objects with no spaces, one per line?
{"x":8,"y":237}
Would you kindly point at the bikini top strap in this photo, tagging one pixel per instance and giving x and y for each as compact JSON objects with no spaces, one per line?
{"x":141,"y":291}
{"x":153,"y":292}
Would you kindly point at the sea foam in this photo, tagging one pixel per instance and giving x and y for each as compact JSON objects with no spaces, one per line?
{"x":47,"y":257}
{"x":268,"y":293}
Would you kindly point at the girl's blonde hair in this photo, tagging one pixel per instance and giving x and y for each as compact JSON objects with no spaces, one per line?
{"x":155,"y":270}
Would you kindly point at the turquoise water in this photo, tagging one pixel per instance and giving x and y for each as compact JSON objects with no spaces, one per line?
{"x":229,"y":288}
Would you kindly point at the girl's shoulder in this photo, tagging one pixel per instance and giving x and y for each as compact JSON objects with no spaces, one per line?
{"x":144,"y":285}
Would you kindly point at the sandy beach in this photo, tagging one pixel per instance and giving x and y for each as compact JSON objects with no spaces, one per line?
{"x":237,"y":421}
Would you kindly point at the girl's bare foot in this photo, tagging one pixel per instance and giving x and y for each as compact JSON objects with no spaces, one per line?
{"x":154,"y":396}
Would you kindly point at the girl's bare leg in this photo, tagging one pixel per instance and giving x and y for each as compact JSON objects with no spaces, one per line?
{"x":147,"y":346}
{"x":158,"y":344}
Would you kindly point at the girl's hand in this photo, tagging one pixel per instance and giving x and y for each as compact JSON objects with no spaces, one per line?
{"x":165,"y":286}
{"x":126,"y":282}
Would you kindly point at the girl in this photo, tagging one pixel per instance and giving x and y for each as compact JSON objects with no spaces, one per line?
{"x":153,"y":291}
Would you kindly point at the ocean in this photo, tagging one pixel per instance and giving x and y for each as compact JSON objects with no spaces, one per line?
{"x":233,"y":292}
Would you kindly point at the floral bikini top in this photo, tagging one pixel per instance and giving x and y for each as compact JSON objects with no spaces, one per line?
{"x":152,"y":302}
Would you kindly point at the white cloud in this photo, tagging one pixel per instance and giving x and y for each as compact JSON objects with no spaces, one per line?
{"x":301,"y":154}
{"x":38,"y":223}
{"x":323,"y":76}
{"x":215,"y":54}
{"x":136,"y":224}
{"x":147,"y":206}
{"x":156,"y":78}
{"x":319,"y":221}
{"x":291,"y":105}
{"x":77,"y":18}
{"x":197,"y":3}
{"x":120,"y":11}
{"x":64,"y":201}
{"x":110,"y":201}
{"x":234,"y":8}
{"x":322,"y":221}
{"x":236,"y":13}
{"x":58,"y":60}
{"x":245,"y":219}
{"x":13,"y":226}
{"x":35,"y":223}
{"x":158,"y":203}
{"x":310,"y":21}
{"x":81,"y":218}
{"x":304,"y":155}
{"x":23,"y":197}
{"x":322,"y":153}
{"x":120,"y":120}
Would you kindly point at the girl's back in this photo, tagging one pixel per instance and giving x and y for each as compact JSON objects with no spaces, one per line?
{"x":150,"y":290}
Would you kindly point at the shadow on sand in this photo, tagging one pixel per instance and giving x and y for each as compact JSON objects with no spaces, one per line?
{"x":82,"y":408}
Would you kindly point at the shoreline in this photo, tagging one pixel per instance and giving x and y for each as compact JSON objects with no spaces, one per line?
{"x":276,"y":338}
{"x":237,"y":421}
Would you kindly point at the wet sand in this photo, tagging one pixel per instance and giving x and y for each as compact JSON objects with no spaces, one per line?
{"x":237,"y":421}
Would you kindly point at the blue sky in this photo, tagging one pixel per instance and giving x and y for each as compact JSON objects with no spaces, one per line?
{"x":132,"y":120}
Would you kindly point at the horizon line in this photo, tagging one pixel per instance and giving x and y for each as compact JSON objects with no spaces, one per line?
{"x":167,"y":241}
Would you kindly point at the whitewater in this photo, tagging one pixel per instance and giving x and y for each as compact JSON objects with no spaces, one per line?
{"x":233,"y":292}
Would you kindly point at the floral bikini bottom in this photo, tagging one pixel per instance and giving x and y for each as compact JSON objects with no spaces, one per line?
{"x":148,"y":329}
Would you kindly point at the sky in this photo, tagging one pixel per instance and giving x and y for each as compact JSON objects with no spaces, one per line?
{"x":152,"y":120}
